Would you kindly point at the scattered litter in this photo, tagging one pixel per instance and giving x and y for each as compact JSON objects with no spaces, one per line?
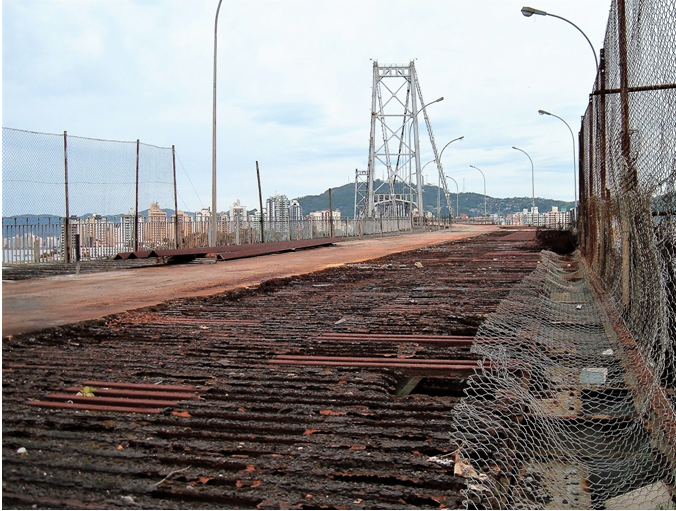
{"x":168,"y":476}
{"x":594,"y":375}
{"x":418,"y":265}
{"x":340,"y":321}
{"x":607,"y":352}
{"x":128,"y":498}
{"x":21,"y":450}
{"x":463,"y":468}
{"x":579,"y":307}
{"x":87,"y":391}
{"x":440,"y":460}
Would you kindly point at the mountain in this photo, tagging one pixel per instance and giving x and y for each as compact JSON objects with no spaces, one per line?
{"x":471,"y":204}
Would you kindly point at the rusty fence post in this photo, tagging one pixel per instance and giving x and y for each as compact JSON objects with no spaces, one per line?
{"x":604,"y":201}
{"x":176,"y":228}
{"x":66,"y":221}
{"x":629,"y":178}
{"x":136,"y":233}
{"x":260,"y":202}
{"x":77,"y":253}
{"x":582,"y":212}
{"x":331,"y":231}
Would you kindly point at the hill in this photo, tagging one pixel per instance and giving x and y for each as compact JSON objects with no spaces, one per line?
{"x":469,"y":203}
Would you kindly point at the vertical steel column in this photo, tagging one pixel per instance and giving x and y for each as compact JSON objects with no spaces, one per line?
{"x":370,"y":193}
{"x":66,"y":222}
{"x":173,"y":163}
{"x":415,"y":94}
{"x":136,"y":233}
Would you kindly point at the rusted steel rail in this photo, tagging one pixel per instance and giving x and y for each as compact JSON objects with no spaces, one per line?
{"x":404,"y":364}
{"x":231,"y":251}
{"x":435,"y":340}
{"x":119,"y":397}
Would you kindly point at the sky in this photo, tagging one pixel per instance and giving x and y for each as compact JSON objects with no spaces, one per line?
{"x":294,"y":85}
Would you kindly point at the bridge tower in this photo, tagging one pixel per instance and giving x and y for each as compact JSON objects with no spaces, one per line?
{"x":394,"y":147}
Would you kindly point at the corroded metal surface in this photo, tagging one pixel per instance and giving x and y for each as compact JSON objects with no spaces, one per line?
{"x":227,"y":252}
{"x":262,"y":436}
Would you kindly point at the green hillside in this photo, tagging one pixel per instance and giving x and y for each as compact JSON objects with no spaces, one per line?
{"x":471,"y":204}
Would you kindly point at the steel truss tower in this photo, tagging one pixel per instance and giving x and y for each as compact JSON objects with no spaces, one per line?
{"x":396,"y":102}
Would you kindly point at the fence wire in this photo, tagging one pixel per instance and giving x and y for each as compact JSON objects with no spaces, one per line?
{"x":55,"y":187}
{"x":563,"y":414}
{"x":575,"y":404}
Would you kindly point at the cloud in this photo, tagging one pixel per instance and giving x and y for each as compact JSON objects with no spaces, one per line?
{"x":294,"y":83}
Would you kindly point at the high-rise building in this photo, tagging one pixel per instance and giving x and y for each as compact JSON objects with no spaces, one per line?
{"x":156,"y":229}
{"x":238,"y":213}
{"x":278,"y":212}
{"x":295,"y":211}
{"x":202,"y":219}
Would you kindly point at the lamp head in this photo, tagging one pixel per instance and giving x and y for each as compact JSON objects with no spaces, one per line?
{"x":529,"y":11}
{"x":440,"y":99}
{"x":544,"y":112}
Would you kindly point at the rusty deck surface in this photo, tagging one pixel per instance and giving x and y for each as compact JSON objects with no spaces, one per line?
{"x":259,"y":435}
{"x":31,"y":305}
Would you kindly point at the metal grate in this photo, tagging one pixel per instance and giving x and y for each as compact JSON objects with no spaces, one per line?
{"x":119,"y":397}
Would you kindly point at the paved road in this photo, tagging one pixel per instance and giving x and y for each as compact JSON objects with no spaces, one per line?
{"x":32,"y":305}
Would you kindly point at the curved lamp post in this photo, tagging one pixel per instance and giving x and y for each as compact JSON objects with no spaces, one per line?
{"x":532,"y":168}
{"x":544,"y":112}
{"x":415,"y":116}
{"x":214,"y":222}
{"x":529,"y":11}
{"x":484,"y":176}
{"x":439,"y":185}
{"x":421,"y":110}
{"x":457,"y":192}
{"x":411,"y":127}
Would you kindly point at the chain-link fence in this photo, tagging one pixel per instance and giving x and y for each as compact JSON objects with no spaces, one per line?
{"x":105,"y":194}
{"x":67,"y":198}
{"x":628,"y":176}
{"x":575,"y":404}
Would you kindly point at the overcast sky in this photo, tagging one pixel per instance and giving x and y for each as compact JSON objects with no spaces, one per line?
{"x":294,"y":85}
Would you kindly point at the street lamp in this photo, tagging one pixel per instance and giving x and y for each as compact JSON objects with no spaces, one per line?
{"x":457,"y":192}
{"x":439,"y":186}
{"x":213,"y":231}
{"x":529,"y":11}
{"x":409,"y":138}
{"x":485,"y":214}
{"x":416,"y":115}
{"x":532,"y":168}
{"x":544,"y":112}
